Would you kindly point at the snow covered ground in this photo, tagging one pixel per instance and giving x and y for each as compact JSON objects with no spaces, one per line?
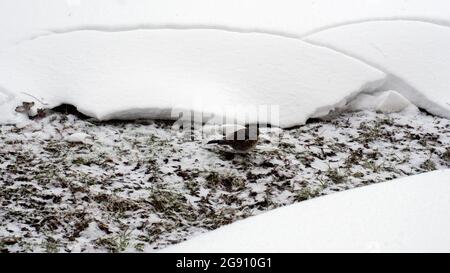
{"x":78,"y":184}
{"x":71,"y":184}
{"x":406,"y":215}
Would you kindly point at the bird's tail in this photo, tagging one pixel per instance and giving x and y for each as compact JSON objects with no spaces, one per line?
{"x":217,"y":141}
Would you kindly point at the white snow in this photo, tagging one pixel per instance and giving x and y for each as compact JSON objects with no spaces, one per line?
{"x":128,"y":59}
{"x":23,"y":19}
{"x":383,"y":102}
{"x":409,"y":214}
{"x":78,"y":138}
{"x":148,"y":73}
{"x":415,"y":55}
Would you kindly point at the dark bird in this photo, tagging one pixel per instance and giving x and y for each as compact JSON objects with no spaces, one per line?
{"x":242,"y":140}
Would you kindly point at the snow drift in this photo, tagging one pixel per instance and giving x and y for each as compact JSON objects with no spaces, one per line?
{"x":128,"y":59}
{"x":383,"y":102}
{"x":409,"y":214}
{"x":22,"y":19}
{"x":415,"y":55}
{"x":147,"y":73}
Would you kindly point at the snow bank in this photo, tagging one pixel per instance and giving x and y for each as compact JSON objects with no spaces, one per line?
{"x":147,"y":73}
{"x":409,"y":214}
{"x":22,"y":19}
{"x":383,"y":102}
{"x":415,"y":55}
{"x":103,"y":55}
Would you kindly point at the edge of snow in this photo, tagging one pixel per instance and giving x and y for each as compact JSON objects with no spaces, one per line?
{"x":407,"y":214}
{"x":47,"y":68}
{"x":421,"y":98}
{"x":268,"y":31}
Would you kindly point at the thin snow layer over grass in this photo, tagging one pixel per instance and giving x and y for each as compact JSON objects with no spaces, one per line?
{"x":150,"y":73}
{"x":143,"y":185}
{"x":408,"y":214}
{"x":415,"y":55}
